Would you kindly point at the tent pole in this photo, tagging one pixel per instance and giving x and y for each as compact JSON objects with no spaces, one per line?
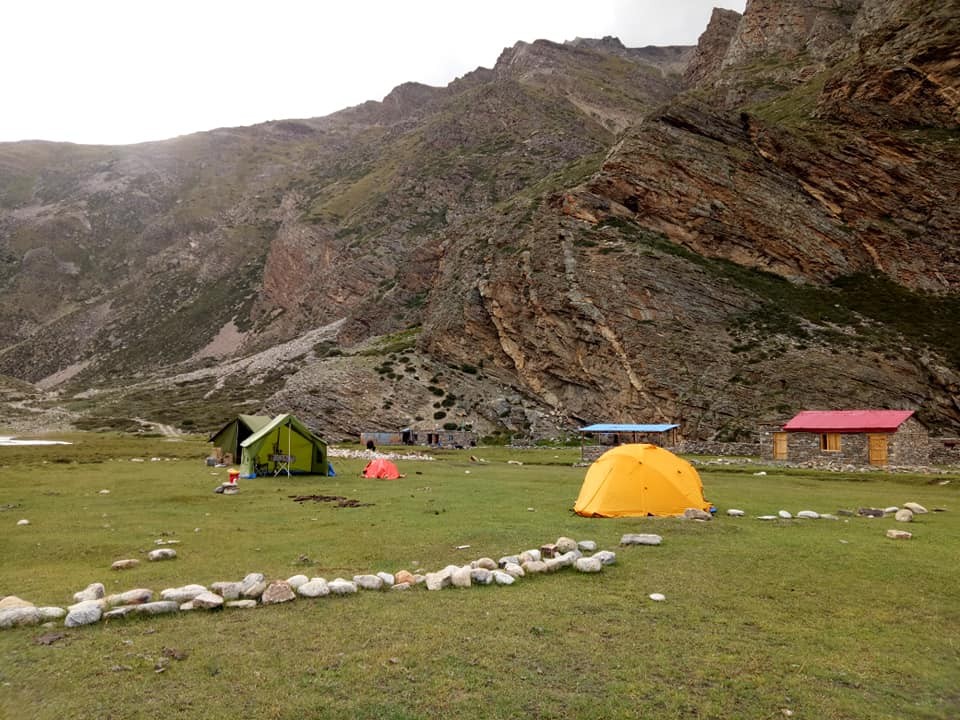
{"x":288,"y":448}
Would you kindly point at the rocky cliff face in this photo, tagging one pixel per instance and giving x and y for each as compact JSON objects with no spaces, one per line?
{"x":569,"y":236}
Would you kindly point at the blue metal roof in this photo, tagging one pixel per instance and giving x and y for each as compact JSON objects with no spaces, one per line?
{"x":608,"y":427}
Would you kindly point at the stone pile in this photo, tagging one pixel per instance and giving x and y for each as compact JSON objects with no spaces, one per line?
{"x":373,"y":454}
{"x":899,"y":514}
{"x":92,"y":604}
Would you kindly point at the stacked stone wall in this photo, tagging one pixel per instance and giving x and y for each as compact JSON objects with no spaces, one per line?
{"x":711,"y":447}
{"x":945,"y":451}
{"x":910,"y":445}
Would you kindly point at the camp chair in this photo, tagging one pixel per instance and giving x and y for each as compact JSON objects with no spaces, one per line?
{"x":281,"y":463}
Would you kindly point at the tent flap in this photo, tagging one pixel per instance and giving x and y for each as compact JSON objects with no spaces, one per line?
{"x":283,"y":445}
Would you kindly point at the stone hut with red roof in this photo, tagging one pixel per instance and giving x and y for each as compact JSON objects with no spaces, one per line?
{"x":850,"y":437}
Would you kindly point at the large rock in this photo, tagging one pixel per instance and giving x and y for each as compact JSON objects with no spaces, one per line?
{"x":735,"y":512}
{"x":339,"y":586}
{"x":93,"y":591}
{"x":461,"y":577}
{"x":784,"y":514}
{"x":315,"y":587}
{"x":589,"y":564}
{"x":388,"y":579}
{"x":501,"y":577}
{"x":12,"y":601}
{"x":182,"y":594}
{"x":84,"y":613}
{"x":17,"y":616}
{"x":297,"y":580}
{"x":607,"y":557}
{"x":640,"y":539}
{"x":159,"y":607}
{"x":48,"y":613}
{"x":208,"y":601}
{"x":507,"y":559}
{"x":125,"y":564}
{"x":513,"y":570}
{"x":587,"y":546}
{"x":808,"y":514}
{"x":485,"y":563}
{"x":565,"y":544}
{"x":161,"y":554}
{"x":227,"y":590}
{"x":277,"y":592}
{"x":532,"y":567}
{"x":916,"y":508}
{"x":899,"y":534}
{"x":904,"y":515}
{"x":529,"y":555}
{"x":241,"y":604}
{"x":137,"y":596}
{"x":481,"y":576}
{"x":368,"y":582}
{"x":696,"y":514}
{"x":251,"y":581}
{"x":403,"y":576}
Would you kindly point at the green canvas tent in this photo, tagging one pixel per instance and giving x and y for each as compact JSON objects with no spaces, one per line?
{"x":229,"y":437}
{"x":283,"y":446}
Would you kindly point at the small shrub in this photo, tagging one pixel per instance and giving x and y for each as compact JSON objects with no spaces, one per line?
{"x":439,"y":415}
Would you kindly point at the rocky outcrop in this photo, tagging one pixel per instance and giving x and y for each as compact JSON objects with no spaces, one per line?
{"x":704,"y":65}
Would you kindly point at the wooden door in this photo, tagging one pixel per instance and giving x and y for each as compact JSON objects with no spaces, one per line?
{"x":779,"y":446}
{"x":877,"y":449}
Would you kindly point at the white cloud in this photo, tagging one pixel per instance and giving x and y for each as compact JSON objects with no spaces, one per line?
{"x":108,"y":71}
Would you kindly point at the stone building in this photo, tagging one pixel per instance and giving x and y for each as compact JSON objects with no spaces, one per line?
{"x":854,"y":437}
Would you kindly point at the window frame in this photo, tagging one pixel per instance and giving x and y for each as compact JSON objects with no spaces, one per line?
{"x":830,"y":442}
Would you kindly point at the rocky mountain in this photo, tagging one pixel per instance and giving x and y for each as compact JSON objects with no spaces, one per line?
{"x":719,"y":235}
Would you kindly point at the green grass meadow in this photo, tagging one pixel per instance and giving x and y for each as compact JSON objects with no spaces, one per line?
{"x":822,"y":619}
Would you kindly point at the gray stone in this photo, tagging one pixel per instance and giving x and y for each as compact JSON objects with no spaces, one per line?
{"x":890,"y":510}
{"x":899,"y":535}
{"x":125,"y":564}
{"x":568,"y":558}
{"x":51,"y":613}
{"x":93,"y":591}
{"x":315,"y":587}
{"x":339,"y":586}
{"x":401,"y":586}
{"x":227,"y":590}
{"x":828,"y":516}
{"x":296,"y":581}
{"x":507,"y":559}
{"x":587,"y":546}
{"x":784,"y":514}
{"x":368,"y":582}
{"x":916,"y":508}
{"x":208,"y":601}
{"x":532,"y":567}
{"x":84,"y":613}
{"x":461,"y":577}
{"x":485,"y":563}
{"x":241,"y":604}
{"x":640,"y":539}
{"x":904,"y":515}
{"x":589,"y":564}
{"x":277,"y":592}
{"x":187,"y":606}
{"x":18,"y":616}
{"x":158,"y":607}
{"x":388,"y":579}
{"x":182,"y":594}
{"x":870,"y":512}
{"x":734,"y":512}
{"x":808,"y":514}
{"x":607,"y":557}
{"x":161,"y":554}
{"x":251,"y":581}
{"x":254,"y":591}
{"x":481,"y":576}
{"x":565,"y":544}
{"x":696,"y":514}
{"x":501,"y":577}
{"x":766,"y":517}
{"x":553,"y":564}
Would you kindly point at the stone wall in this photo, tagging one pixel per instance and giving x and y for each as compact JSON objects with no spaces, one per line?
{"x":909,"y":445}
{"x":711,"y":447}
{"x":945,"y":451}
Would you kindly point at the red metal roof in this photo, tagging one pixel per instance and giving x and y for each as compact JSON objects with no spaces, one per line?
{"x":848,"y":421}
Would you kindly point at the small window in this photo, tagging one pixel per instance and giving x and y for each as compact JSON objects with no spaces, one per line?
{"x":830,"y":442}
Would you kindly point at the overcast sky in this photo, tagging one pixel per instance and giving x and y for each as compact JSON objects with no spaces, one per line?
{"x":124,"y":71}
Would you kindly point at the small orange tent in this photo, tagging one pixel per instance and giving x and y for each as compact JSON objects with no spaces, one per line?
{"x":381,"y":469}
{"x":637,"y":480}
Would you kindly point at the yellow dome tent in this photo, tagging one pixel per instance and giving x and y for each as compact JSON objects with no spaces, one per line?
{"x":639,"y":480}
